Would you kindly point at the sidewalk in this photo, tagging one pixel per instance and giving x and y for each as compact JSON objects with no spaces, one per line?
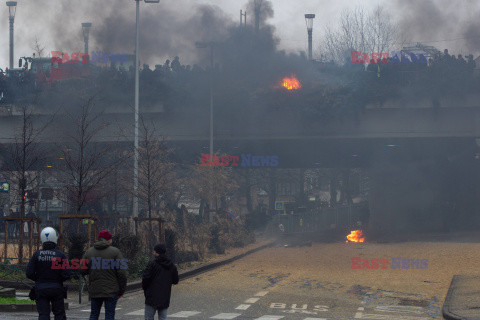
{"x":463,"y":298}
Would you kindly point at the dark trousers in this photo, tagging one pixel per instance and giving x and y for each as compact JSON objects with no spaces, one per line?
{"x":96,"y":306}
{"x":53,"y":297}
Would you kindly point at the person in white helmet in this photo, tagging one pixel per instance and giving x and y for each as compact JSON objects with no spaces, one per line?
{"x":48,"y":281}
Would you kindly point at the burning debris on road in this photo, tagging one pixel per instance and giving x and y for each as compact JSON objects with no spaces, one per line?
{"x":355,"y":236}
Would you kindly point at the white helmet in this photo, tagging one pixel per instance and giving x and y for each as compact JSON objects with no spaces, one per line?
{"x":49,"y":235}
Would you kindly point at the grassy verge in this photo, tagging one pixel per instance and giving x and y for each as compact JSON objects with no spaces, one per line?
{"x":15,"y":301}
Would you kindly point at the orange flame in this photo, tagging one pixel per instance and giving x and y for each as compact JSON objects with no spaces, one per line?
{"x":355,"y":236}
{"x":291,"y":83}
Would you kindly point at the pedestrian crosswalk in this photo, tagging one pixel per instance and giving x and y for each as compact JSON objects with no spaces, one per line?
{"x":226,"y":316}
{"x":220,"y":316}
{"x":101,"y":311}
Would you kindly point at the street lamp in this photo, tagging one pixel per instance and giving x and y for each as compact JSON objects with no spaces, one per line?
{"x":137,"y":85}
{"x":202,"y":45}
{"x":309,"y":21}
{"x":12,"y":8}
{"x":86,"y":32}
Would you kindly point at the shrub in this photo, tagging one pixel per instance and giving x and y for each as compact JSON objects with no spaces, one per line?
{"x":129,"y":245}
{"x":137,"y":265}
{"x":76,"y":245}
{"x":170,"y":244}
{"x":187,"y":256}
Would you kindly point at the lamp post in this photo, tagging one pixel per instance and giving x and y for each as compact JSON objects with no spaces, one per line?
{"x":137,"y":89}
{"x":211,"y":45}
{"x":309,"y":21}
{"x":86,"y":32}
{"x":12,"y":8}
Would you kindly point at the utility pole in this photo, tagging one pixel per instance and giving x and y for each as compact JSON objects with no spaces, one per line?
{"x":86,"y":33}
{"x":137,"y":107}
{"x":309,"y":21}
{"x":201,"y":45}
{"x":258,"y":8}
{"x":12,"y":8}
{"x":242,"y":16}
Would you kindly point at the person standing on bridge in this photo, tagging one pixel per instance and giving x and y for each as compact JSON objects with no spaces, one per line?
{"x":157,"y":281}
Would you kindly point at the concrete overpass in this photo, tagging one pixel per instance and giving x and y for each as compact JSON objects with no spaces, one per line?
{"x":414,"y":132}
{"x":417,"y":158}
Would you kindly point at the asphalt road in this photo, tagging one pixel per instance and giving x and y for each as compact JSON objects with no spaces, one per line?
{"x":243,"y":290}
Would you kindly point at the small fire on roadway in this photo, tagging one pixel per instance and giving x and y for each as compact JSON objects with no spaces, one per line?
{"x":291,"y":83}
{"x":355,"y":236}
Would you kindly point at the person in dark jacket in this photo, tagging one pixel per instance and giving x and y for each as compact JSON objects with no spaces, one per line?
{"x":107,"y":277}
{"x":48,"y":280}
{"x":157,"y":281}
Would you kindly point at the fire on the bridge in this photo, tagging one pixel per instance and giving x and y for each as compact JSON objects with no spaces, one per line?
{"x":355,"y":236}
{"x":291,"y":83}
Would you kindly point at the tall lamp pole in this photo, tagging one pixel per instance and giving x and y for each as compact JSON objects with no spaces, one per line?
{"x":86,"y":32}
{"x":211,"y":45}
{"x":12,"y":8}
{"x":137,"y":90}
{"x":309,"y":20}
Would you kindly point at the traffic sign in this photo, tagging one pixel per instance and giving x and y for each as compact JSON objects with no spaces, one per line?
{"x":279,"y":205}
{"x":4,"y":187}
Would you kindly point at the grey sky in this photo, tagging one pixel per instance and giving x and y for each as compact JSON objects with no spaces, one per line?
{"x":57,"y":23}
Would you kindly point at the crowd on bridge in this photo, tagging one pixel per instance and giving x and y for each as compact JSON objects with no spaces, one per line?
{"x":442,"y":74}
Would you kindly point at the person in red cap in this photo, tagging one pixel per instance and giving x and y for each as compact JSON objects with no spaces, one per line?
{"x":107,"y":278}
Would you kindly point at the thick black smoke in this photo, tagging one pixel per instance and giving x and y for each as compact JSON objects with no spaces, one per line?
{"x":165,"y":31}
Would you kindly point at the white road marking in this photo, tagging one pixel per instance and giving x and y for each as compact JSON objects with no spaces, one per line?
{"x":360,"y":315}
{"x":252,"y":300}
{"x":261,"y":294}
{"x":361,"y":309}
{"x":243,"y":307}
{"x":184,"y":314}
{"x":101,"y":311}
{"x":226,"y":316}
{"x":140,"y":312}
{"x":268,"y":317}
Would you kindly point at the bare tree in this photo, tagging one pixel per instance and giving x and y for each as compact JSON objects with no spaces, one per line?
{"x":359,"y":30}
{"x":212,"y":183}
{"x":87,"y":164}
{"x":25,"y":158}
{"x":38,"y":48}
{"x":156,"y":176}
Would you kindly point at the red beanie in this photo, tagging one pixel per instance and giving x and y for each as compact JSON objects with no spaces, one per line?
{"x":105,"y":234}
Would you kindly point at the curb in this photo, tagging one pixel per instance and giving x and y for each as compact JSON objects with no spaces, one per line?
{"x":137,"y":285}
{"x":22,"y":307}
{"x":446,"y":310}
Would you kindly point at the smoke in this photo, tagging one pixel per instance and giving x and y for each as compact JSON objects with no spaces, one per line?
{"x":441,"y":23}
{"x":265,"y":10}
{"x":165,"y":33}
{"x":167,"y":29}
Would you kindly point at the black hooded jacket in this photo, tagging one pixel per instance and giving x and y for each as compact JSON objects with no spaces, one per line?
{"x":157,"y":282}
